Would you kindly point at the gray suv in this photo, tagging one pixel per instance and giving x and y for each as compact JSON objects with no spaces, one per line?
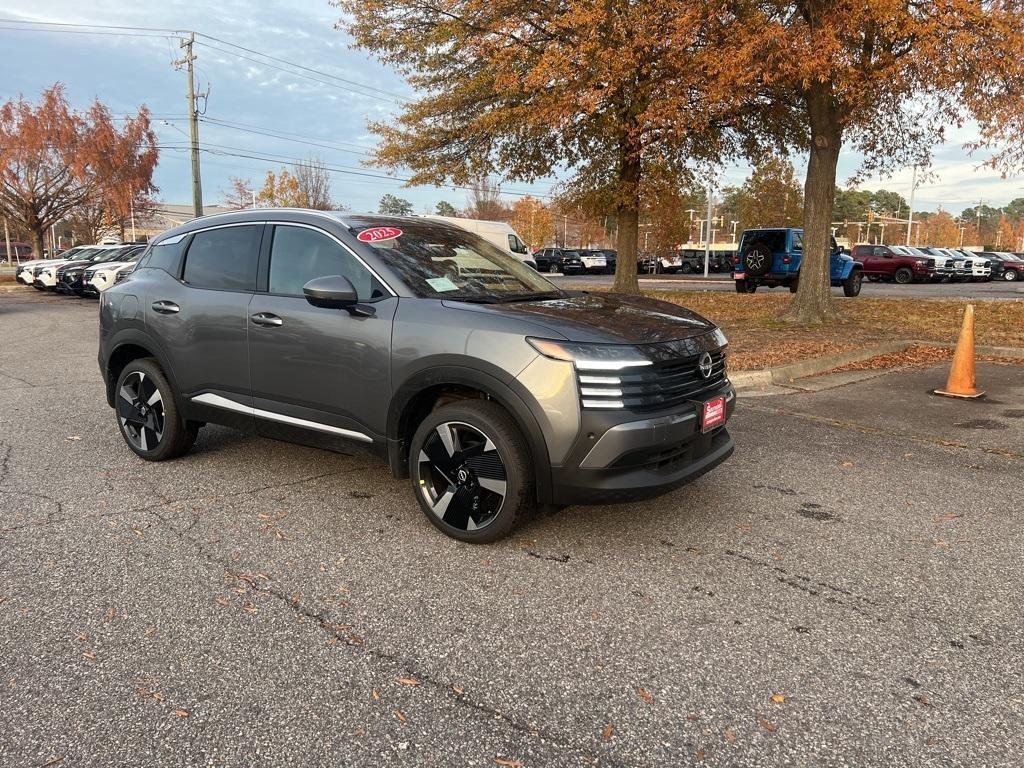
{"x":493,"y":390}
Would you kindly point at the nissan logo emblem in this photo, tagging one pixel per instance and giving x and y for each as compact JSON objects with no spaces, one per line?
{"x":706,"y":365}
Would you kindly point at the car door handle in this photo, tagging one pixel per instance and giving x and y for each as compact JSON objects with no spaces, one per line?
{"x":166,"y":307}
{"x":267,"y":320}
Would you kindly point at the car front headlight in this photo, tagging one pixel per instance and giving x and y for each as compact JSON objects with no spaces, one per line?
{"x":591,"y":357}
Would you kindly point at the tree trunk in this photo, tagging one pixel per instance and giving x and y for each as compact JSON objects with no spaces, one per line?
{"x":628,"y":218}
{"x":813,"y":301}
{"x":38,"y":241}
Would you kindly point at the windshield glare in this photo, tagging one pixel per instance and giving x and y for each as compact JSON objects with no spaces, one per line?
{"x":440,"y":262}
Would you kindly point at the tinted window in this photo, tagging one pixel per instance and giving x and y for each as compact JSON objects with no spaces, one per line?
{"x":166,"y":257}
{"x":299,"y":255}
{"x":798,"y":241}
{"x":516,"y":245}
{"x":223,"y":259}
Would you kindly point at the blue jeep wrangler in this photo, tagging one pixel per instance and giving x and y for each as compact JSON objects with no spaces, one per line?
{"x":771,"y":257}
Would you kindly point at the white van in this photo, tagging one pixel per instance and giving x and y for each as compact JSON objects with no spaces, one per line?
{"x":497,"y":233}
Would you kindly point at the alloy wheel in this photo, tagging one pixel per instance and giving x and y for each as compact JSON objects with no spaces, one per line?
{"x":462,"y":476}
{"x":140,"y":407}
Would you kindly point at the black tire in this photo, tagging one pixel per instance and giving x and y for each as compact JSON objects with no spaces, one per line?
{"x":758,"y":260}
{"x":687,"y":269}
{"x":794,"y":286}
{"x":147,"y":413}
{"x":482,"y":493}
{"x":903,"y":276}
{"x":853,"y":283}
{"x":745,"y":286}
{"x":1010,"y":275}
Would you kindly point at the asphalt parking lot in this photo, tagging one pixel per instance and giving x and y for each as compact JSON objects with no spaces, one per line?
{"x":996,"y":289}
{"x":846,"y":590}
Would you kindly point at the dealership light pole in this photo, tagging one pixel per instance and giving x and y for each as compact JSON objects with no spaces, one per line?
{"x":910,"y":213}
{"x":707,"y":239}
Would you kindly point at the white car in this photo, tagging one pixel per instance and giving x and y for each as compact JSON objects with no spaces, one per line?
{"x":25,"y":269}
{"x":45,"y":275}
{"x":497,"y":233}
{"x":593,"y":262}
{"x":100,"y":277}
{"x":980,"y":267}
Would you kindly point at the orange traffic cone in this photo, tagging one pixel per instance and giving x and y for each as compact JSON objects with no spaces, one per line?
{"x":961,"y":382}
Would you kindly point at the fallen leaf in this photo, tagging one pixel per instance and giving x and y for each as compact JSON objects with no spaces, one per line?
{"x":644,"y":694}
{"x":595,"y":615}
{"x":53,"y":761}
{"x":223,"y":601}
{"x":111,"y":613}
{"x":770,"y":727}
{"x":400,"y":715}
{"x":148,"y":694}
{"x":410,"y":681}
{"x":508,"y":763}
{"x":692,"y":717}
{"x":458,"y":690}
{"x":181,"y":713}
{"x":89,"y":655}
{"x":846,"y":464}
{"x":729,"y":736}
{"x":607,"y":731}
{"x":81,"y":637}
{"x":376,"y":696}
{"x":700,"y":755}
{"x":74,"y":437}
{"x":778,"y":698}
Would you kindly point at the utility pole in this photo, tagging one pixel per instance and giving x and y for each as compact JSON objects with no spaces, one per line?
{"x":910,"y":213}
{"x":707,"y":240}
{"x":193,"y":120}
{"x":131,"y":203}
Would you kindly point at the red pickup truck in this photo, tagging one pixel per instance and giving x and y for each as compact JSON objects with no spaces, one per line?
{"x":900,"y":264}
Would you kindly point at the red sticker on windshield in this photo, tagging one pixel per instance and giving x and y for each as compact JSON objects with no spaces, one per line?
{"x":377,"y":234}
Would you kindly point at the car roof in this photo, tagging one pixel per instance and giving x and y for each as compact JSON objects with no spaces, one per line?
{"x":346,"y":219}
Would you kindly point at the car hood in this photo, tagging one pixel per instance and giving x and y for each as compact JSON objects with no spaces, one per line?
{"x":608,"y":318}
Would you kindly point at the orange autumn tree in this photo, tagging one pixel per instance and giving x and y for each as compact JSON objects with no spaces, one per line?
{"x":533,"y":221}
{"x":56,"y":161}
{"x":615,"y":91}
{"x":884,"y":78}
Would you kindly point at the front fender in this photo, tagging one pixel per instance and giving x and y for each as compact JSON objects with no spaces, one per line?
{"x":495,"y":383}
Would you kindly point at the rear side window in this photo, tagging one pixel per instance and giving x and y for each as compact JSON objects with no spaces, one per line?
{"x":224,"y":259}
{"x":165,"y":256}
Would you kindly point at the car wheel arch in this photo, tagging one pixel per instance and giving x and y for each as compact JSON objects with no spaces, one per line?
{"x":428,"y":388}
{"x":134,"y":347}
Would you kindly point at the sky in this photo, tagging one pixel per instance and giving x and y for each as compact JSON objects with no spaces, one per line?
{"x":256,"y":99}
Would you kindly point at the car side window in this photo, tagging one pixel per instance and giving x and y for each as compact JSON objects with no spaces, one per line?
{"x":298,"y":255}
{"x":798,"y":241}
{"x":165,"y":256}
{"x":224,"y":259}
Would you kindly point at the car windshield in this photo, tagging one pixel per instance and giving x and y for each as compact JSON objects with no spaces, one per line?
{"x":442,"y":262}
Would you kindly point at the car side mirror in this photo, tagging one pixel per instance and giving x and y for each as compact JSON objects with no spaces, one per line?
{"x":331,"y":292}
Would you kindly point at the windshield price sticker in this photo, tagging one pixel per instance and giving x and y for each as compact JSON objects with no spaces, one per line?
{"x":442,"y":284}
{"x":378,"y":234}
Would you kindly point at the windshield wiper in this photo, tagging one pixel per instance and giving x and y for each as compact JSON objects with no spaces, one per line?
{"x":530,"y":297}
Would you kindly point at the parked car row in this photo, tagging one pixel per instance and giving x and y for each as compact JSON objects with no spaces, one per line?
{"x":576,"y":261}
{"x":908,"y":264}
{"x":687,"y":261}
{"x":85,"y":270}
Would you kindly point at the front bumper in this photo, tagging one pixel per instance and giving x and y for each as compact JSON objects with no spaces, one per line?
{"x":640,"y":459}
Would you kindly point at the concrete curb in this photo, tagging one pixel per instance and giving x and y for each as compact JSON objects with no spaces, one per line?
{"x":785,"y":374}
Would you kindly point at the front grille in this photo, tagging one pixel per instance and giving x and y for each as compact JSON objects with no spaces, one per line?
{"x":662,"y":385}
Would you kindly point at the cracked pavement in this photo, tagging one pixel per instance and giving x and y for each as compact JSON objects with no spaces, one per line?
{"x":846,"y":590}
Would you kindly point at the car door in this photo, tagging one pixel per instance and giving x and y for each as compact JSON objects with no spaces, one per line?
{"x":198,"y":310}
{"x":319,"y":376}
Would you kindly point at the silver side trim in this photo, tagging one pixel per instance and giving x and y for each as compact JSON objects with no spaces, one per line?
{"x":227,"y":404}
